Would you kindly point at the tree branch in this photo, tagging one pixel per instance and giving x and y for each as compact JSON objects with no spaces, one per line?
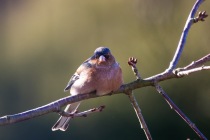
{"x":132,"y":62}
{"x":56,"y":105}
{"x":187,"y":72}
{"x":197,"y":63}
{"x":139,"y":115}
{"x":183,"y":38}
{"x":169,"y":73}
{"x":81,"y":114}
{"x":51,"y":107}
{"x":195,"y":66}
{"x":179,"y":112}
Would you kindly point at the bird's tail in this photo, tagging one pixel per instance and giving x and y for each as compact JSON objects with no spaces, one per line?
{"x":63,"y":122}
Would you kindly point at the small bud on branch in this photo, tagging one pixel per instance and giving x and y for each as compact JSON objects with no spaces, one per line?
{"x":201,"y":16}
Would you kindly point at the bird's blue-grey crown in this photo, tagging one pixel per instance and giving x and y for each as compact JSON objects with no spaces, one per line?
{"x":101,"y":51}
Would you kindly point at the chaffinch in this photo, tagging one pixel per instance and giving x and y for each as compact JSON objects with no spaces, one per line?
{"x":100,"y":74}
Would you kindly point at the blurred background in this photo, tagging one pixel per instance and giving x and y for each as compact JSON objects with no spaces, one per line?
{"x":43,"y":42}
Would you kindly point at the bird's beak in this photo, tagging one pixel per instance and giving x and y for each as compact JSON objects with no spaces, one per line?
{"x":102,"y":58}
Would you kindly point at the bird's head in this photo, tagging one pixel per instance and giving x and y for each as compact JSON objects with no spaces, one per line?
{"x":103,"y":56}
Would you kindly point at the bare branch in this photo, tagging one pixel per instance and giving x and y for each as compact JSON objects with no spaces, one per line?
{"x":56,"y":105}
{"x":195,"y":66}
{"x":81,"y":114}
{"x":187,"y":72}
{"x":51,"y":107}
{"x":179,"y":112}
{"x":132,"y":62}
{"x":170,"y":73}
{"x":139,"y":115}
{"x":183,"y":38}
{"x":197,"y":63}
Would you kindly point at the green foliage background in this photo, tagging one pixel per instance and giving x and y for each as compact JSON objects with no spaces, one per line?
{"x":42,"y":42}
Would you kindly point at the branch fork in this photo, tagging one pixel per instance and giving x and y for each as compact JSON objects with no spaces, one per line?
{"x":195,"y":66}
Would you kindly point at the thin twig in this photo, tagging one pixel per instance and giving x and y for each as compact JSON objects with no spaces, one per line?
{"x":183,"y":38}
{"x":179,"y":112}
{"x":187,"y":72}
{"x":81,"y":114}
{"x":198,"y":63}
{"x":195,"y":66}
{"x":201,"y":17}
{"x":139,"y":115}
{"x":132,"y":62}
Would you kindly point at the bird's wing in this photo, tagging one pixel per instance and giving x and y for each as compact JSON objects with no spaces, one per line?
{"x":71,"y":81}
{"x":86,"y":65}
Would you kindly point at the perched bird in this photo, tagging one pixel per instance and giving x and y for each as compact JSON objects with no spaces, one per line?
{"x":100,"y":74}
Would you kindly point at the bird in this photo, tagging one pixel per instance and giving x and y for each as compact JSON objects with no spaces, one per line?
{"x":100,"y":74}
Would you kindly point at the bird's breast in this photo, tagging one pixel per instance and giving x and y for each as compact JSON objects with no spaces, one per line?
{"x":102,"y":80}
{"x":109,"y":80}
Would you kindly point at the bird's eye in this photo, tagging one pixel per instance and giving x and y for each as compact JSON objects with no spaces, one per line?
{"x":106,"y":56}
{"x":96,"y":56}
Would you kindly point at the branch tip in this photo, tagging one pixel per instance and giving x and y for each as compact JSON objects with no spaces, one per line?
{"x":201,"y":17}
{"x":132,"y":62}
